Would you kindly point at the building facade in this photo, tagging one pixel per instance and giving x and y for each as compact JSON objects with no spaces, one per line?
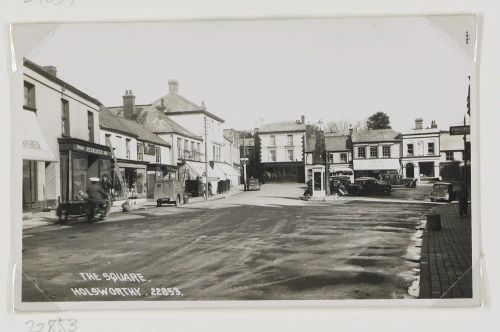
{"x":62,"y":123}
{"x":421,"y":152}
{"x":282,"y":151}
{"x":377,"y":153}
{"x":339,"y":151}
{"x":452,"y":152}
{"x":142,"y":157}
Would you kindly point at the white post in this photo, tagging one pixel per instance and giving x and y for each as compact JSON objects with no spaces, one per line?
{"x":244,"y":176}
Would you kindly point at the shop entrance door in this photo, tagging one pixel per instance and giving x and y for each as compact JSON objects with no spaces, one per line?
{"x":30,"y":199}
{"x":410,"y":171}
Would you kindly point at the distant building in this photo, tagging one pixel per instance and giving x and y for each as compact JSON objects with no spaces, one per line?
{"x":452,"y":156}
{"x":231,"y":155}
{"x":421,"y":152}
{"x":282,"y":151}
{"x":377,"y":153}
{"x":249,"y":153}
{"x":339,"y":151}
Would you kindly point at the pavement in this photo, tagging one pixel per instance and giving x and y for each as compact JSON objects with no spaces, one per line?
{"x":446,"y":263}
{"x":259,"y":245}
{"x":38,"y":219}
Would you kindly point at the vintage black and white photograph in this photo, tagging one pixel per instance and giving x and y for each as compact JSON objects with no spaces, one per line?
{"x":246,"y":160}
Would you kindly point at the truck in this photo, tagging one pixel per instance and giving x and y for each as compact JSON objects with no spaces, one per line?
{"x":169,"y":191}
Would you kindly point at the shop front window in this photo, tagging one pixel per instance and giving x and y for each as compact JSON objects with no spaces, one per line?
{"x":80,"y":172}
{"x":141,"y":182}
{"x":29,"y":183}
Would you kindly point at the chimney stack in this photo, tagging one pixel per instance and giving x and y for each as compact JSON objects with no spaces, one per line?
{"x":433,"y":124}
{"x":172,"y":86}
{"x":51,"y":70}
{"x":351,"y":130}
{"x":302,"y":119}
{"x":419,"y":123}
{"x":128,"y":105}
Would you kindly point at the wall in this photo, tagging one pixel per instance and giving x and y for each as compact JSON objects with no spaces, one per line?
{"x":336,"y":157}
{"x":420,"y":145}
{"x":195,"y":124}
{"x":281,"y":147}
{"x":118,"y":142}
{"x":379,"y":163}
{"x":48,"y":97}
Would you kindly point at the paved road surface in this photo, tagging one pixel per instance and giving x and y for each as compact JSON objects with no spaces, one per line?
{"x":256,"y":245}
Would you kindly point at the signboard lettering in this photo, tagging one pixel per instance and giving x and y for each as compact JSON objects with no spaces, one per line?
{"x":460,"y":130}
{"x":31,"y":144}
{"x":90,"y":149}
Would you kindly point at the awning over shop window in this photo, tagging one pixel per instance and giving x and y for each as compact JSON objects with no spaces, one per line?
{"x":228,"y":170}
{"x":197,"y":169}
{"x":35,"y":146}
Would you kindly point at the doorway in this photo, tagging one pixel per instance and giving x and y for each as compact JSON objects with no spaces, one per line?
{"x":410,"y":170}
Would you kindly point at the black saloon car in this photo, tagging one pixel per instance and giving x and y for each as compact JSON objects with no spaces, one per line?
{"x":371,"y":186}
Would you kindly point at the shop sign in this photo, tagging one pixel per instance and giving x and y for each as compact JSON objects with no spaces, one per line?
{"x":90,"y":149}
{"x":376,"y":164}
{"x":31,"y":144}
{"x":459,"y":130}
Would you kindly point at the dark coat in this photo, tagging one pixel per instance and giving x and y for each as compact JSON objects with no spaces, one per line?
{"x":95,"y":192}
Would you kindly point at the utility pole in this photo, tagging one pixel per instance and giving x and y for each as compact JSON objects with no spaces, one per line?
{"x":206,"y":158}
{"x":466,"y":153}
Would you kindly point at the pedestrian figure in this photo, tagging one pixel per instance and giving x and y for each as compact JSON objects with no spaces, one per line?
{"x":462,"y":203}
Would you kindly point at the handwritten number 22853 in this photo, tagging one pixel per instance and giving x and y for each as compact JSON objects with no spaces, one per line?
{"x":53,"y":2}
{"x":53,"y":325}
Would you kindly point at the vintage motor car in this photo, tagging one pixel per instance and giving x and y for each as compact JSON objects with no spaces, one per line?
{"x":341,"y":185}
{"x":442,"y":191}
{"x":370,"y":186}
{"x":253,"y":184}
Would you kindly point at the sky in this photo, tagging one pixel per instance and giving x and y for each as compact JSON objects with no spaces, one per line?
{"x":254,"y":71}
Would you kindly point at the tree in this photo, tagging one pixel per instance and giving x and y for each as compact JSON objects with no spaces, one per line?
{"x":379,"y":120}
{"x":342,"y":127}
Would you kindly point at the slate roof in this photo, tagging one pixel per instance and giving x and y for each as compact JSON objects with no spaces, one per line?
{"x":449,"y":142}
{"x":281,"y":127}
{"x":156,"y":121}
{"x":40,"y":70}
{"x":108,"y":120}
{"x":376,"y":135}
{"x":332,"y":142}
{"x":338,"y":143}
{"x":175,"y":104}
